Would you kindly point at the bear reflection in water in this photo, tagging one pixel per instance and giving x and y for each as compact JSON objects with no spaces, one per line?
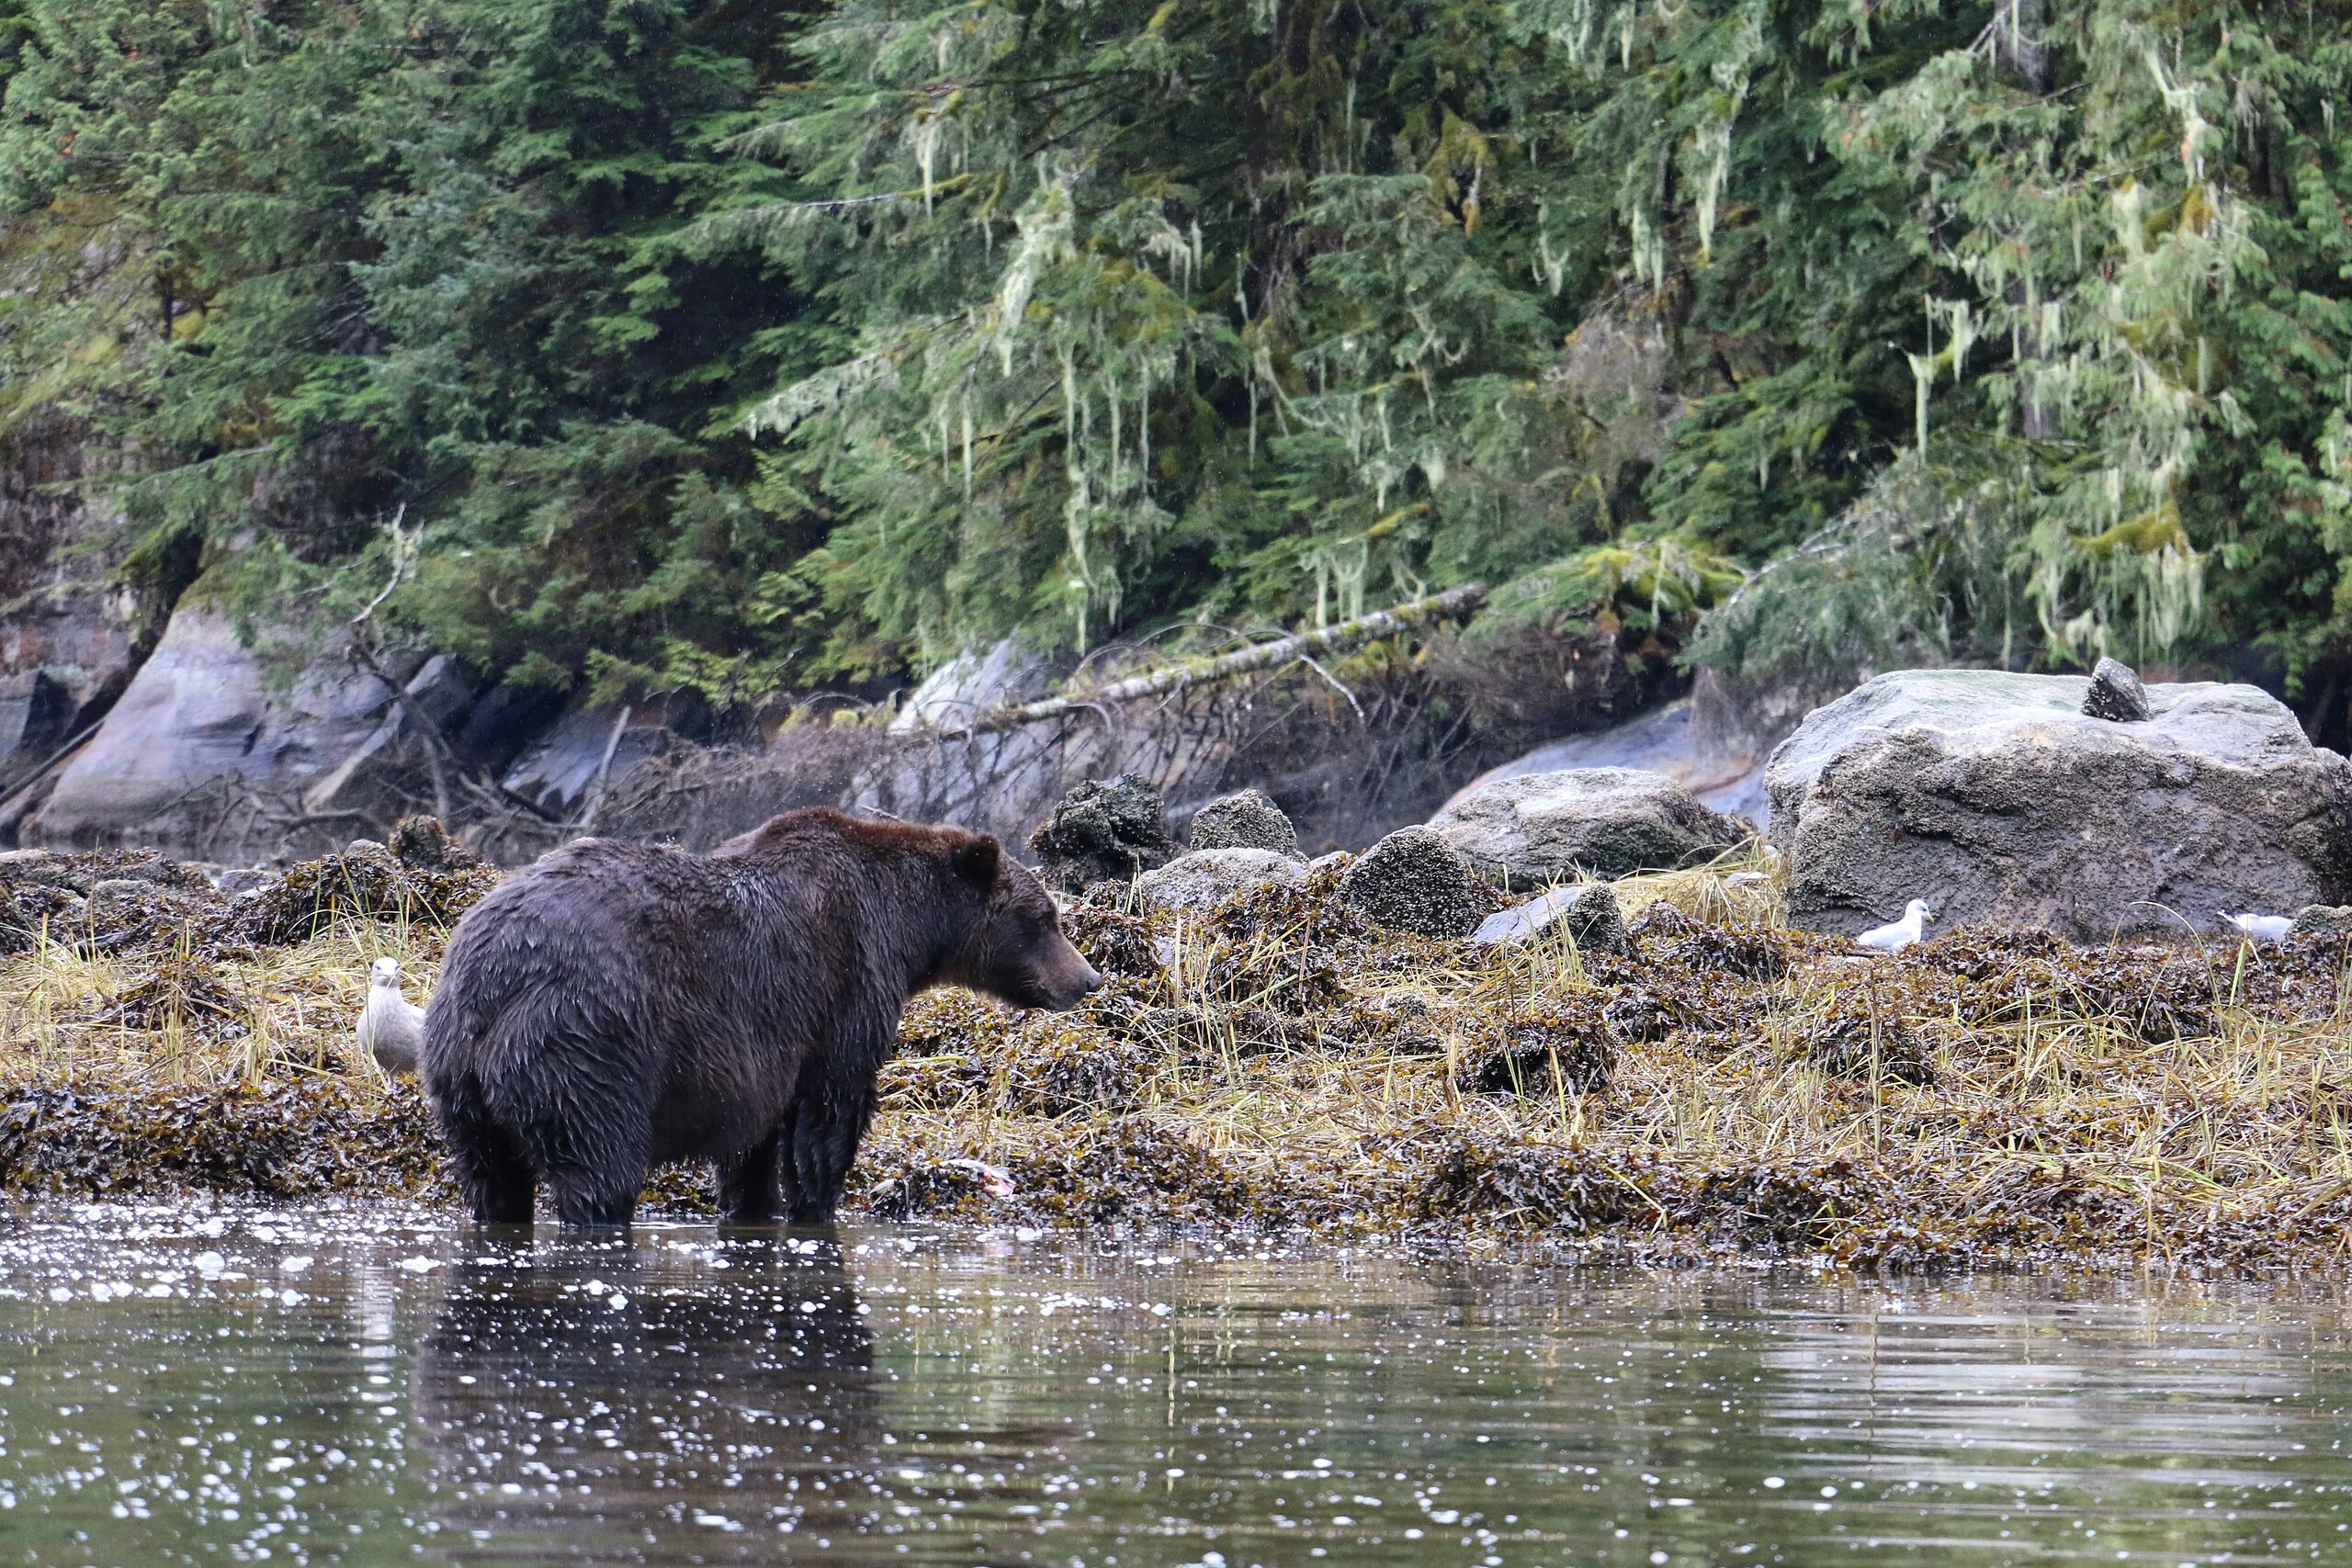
{"x":601,"y":1405}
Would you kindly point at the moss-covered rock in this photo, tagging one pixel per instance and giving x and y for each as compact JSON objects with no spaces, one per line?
{"x":1108,"y":829}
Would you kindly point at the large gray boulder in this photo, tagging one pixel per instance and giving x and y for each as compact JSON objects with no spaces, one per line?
{"x":1532,"y":832}
{"x":1995,"y":796}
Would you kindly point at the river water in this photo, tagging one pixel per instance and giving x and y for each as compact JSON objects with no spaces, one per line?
{"x":364,"y":1385}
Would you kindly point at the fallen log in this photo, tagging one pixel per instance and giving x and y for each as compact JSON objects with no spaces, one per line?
{"x":1337,"y":637}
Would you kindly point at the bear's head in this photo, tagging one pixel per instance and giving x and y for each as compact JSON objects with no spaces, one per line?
{"x":1017,"y":951}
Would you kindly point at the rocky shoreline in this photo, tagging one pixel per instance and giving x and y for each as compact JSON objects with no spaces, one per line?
{"x":1695,"y":1081}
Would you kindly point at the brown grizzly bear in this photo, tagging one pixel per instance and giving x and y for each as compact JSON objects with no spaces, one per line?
{"x":620,"y":1005}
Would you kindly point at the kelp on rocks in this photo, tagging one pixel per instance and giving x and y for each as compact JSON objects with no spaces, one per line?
{"x":1725,"y":1089}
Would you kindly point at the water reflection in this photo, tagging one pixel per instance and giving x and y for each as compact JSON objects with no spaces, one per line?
{"x":367,"y":1386}
{"x":598,"y":1404}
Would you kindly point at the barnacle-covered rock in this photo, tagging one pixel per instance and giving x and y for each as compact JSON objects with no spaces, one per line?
{"x":1244,"y":821}
{"x":1413,"y":881}
{"x":1535,"y":829}
{"x":365,"y":884}
{"x":2327,"y":922}
{"x":1206,"y":878}
{"x":424,"y":842}
{"x":2117,"y":695}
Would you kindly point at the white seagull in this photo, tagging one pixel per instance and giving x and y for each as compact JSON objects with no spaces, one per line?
{"x":2262,"y":927}
{"x":392,"y":1028}
{"x":1902,"y":932}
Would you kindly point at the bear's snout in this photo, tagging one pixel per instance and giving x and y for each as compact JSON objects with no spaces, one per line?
{"x":1070,"y":982}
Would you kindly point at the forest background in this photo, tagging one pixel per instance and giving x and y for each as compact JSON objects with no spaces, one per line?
{"x":750,"y":348}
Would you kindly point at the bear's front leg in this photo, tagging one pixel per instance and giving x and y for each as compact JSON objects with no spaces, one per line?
{"x":748,"y":1189}
{"x":826,"y":1125}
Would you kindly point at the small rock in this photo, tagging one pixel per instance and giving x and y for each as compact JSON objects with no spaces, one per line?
{"x":1413,"y":881}
{"x":2331,"y":921}
{"x":1588,"y":915}
{"x":2116,"y":693}
{"x":1106,"y":830}
{"x":1248,"y":820}
{"x":1206,"y":878}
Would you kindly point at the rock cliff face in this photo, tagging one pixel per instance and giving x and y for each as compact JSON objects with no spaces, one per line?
{"x":1995,"y":797}
{"x":201,"y":759}
{"x":203,"y":756}
{"x":70,"y":639}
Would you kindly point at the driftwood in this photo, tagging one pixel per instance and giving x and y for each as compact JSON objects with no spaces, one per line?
{"x":22,"y":795}
{"x":1302,"y":646}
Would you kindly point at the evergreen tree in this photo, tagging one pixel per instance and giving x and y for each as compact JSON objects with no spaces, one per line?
{"x":690,"y":342}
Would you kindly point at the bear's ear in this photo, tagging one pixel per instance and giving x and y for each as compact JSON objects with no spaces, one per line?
{"x":975,"y":860}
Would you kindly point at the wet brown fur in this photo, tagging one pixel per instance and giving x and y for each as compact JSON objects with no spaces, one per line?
{"x":619,"y":1005}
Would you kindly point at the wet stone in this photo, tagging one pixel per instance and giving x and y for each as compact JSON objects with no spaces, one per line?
{"x":1586,"y":917}
{"x":2116,"y":693}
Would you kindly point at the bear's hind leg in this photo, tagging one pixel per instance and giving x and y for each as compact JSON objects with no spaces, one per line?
{"x":491,"y":1172}
{"x":825,"y":1132}
{"x":586,"y":1203}
{"x":593,"y":1156}
{"x":749,"y":1191}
